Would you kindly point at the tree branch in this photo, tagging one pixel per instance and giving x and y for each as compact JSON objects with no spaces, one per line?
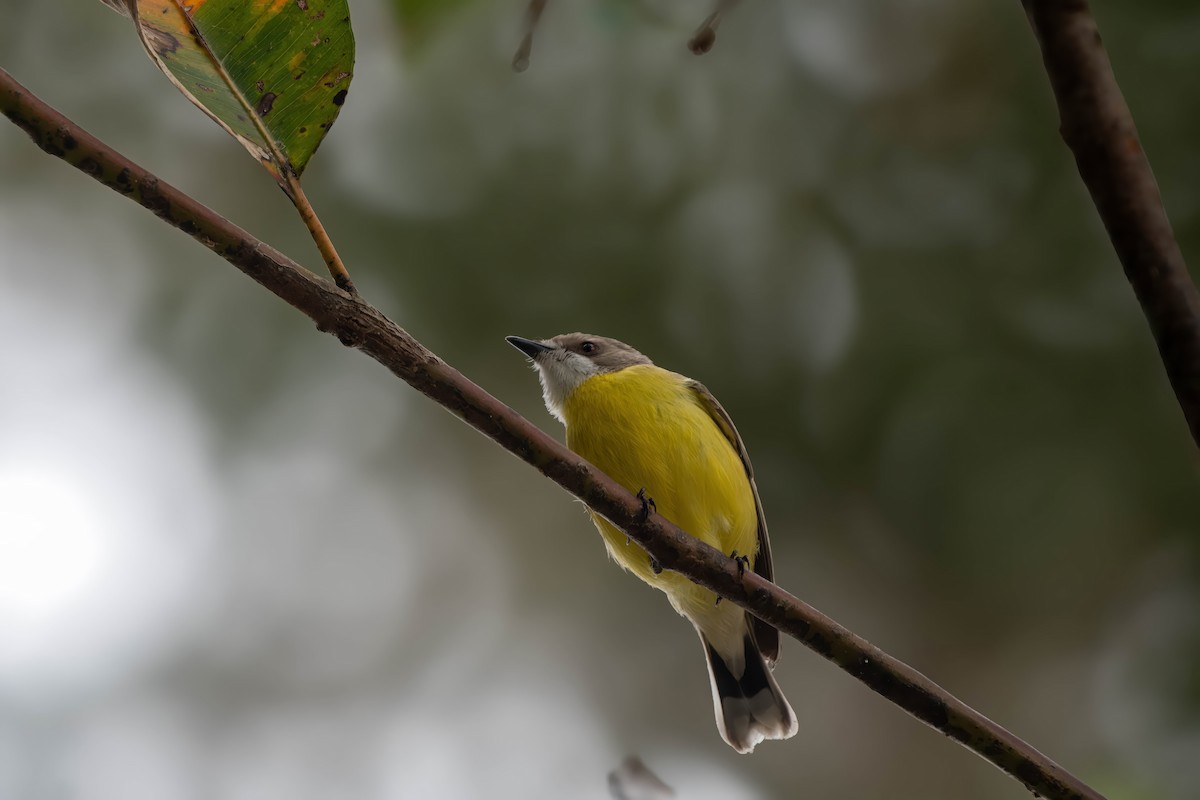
{"x":1097,"y":126}
{"x":358,"y":324}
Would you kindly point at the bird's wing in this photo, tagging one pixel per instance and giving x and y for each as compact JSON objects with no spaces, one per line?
{"x":765,"y":635}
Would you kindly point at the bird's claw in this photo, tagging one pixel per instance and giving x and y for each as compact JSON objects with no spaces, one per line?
{"x":742,"y":562}
{"x":648,"y":506}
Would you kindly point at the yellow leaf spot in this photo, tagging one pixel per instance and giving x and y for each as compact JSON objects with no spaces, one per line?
{"x":164,"y":13}
{"x":269,"y":6}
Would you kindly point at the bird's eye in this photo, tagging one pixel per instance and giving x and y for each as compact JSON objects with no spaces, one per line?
{"x":588,"y":347}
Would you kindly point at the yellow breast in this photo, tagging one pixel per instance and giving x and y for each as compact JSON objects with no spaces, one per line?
{"x":644,"y":427}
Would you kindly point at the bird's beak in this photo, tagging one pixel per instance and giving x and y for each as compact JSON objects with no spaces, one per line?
{"x":530,"y":347}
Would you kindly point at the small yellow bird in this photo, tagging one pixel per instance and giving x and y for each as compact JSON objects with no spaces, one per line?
{"x":656,"y":431}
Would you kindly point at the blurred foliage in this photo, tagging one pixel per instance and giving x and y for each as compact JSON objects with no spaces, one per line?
{"x":421,"y":20}
{"x":853,"y":221}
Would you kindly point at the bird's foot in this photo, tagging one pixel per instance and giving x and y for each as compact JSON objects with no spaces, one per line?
{"x":742,"y":562}
{"x":648,"y":506}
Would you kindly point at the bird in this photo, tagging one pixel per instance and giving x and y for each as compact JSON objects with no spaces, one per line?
{"x":665,"y":437}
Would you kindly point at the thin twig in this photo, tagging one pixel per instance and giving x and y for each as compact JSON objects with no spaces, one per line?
{"x":533,"y":15}
{"x":358,"y":324}
{"x":633,"y":780}
{"x":1097,"y":126}
{"x":706,"y":35}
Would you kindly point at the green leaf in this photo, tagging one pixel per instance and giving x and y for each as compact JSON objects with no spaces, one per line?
{"x":273,"y":73}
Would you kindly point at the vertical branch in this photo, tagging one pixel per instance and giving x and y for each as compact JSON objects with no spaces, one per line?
{"x":1097,"y":126}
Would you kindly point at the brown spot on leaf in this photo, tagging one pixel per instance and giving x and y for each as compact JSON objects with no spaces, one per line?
{"x":320,"y":15}
{"x":258,"y":85}
{"x":316,"y":41}
{"x":339,"y":98}
{"x":161,"y":42}
{"x":303,"y":129}
{"x":298,"y":75}
{"x":264,"y":105}
{"x":204,"y":87}
{"x":302,"y":5}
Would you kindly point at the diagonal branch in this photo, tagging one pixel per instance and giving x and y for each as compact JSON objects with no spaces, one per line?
{"x":1097,"y":126}
{"x":358,"y":324}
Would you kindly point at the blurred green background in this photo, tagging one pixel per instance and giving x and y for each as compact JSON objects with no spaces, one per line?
{"x":239,"y":561}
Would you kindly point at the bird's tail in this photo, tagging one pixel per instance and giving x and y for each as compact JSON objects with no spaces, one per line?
{"x":748,"y":703}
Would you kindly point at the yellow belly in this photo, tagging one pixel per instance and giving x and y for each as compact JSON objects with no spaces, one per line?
{"x":643,"y":426}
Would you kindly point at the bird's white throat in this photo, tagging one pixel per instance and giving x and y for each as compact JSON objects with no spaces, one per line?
{"x":561,"y":372}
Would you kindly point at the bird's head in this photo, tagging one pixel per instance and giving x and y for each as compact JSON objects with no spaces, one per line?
{"x":567,"y":360}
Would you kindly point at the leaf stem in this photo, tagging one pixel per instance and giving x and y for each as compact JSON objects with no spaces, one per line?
{"x":324,"y":244}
